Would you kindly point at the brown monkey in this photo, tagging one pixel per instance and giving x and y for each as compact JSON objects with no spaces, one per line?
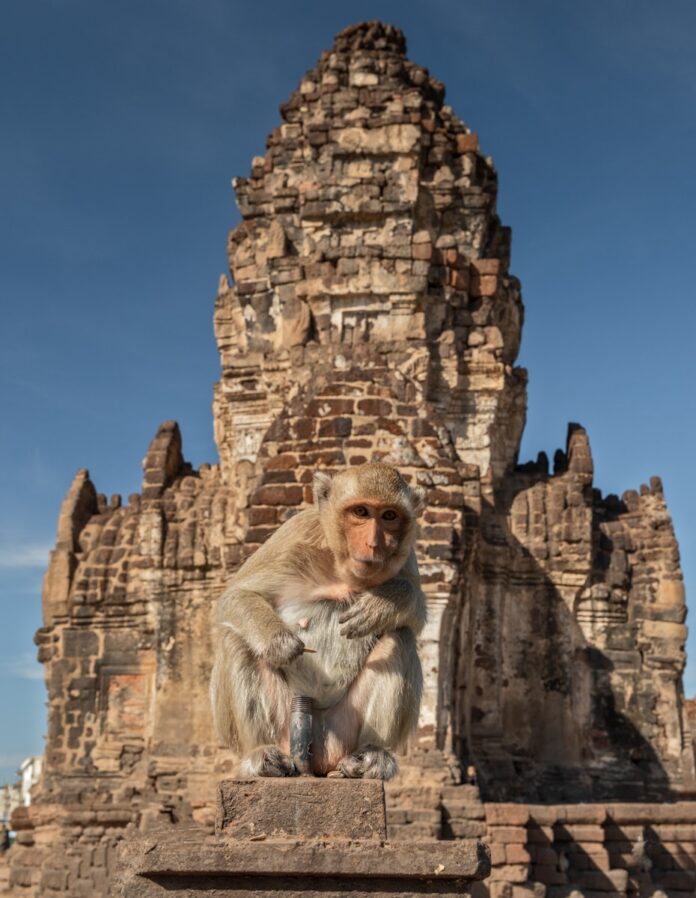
{"x":340,"y":578}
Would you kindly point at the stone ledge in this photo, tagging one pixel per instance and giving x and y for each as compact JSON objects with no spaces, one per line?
{"x":173,"y":856}
{"x":178,"y":868}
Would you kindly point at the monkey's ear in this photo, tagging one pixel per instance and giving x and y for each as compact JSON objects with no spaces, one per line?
{"x":321,"y":487}
{"x":419,"y":495}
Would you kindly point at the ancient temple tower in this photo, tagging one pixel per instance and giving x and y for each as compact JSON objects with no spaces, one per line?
{"x":370,"y":315}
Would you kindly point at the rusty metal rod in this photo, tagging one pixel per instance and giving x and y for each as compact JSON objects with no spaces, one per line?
{"x":301,"y":733}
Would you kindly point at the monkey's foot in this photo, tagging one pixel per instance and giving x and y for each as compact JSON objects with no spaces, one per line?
{"x":370,"y":763}
{"x":267,"y":760}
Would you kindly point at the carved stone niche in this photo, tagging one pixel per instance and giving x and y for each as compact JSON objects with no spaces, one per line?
{"x":318,"y":838}
{"x":125,"y":696}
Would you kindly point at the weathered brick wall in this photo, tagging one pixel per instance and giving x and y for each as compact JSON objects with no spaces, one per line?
{"x":610,"y":849}
{"x":572,"y":659}
{"x":370,"y":315}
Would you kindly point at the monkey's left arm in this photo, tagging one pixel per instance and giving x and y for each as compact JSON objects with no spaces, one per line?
{"x":397,"y":603}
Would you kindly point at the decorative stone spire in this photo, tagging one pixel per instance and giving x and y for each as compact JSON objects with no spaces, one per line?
{"x":369,"y":237}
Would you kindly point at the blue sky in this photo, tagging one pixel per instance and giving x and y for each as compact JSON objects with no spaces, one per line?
{"x":122,"y":125}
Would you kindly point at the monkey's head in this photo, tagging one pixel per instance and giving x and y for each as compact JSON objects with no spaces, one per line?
{"x":368,"y":514}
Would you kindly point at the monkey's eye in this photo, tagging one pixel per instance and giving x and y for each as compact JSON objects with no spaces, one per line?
{"x":360,"y":511}
{"x":389,"y":515}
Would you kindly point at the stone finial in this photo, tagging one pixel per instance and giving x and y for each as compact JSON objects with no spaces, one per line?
{"x":78,"y":507}
{"x":656,"y":485}
{"x":370,"y":36}
{"x":80,"y":504}
{"x":578,"y":451}
{"x":163,"y":461}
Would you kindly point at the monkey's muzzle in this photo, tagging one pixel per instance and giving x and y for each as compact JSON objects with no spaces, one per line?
{"x":301,"y":733}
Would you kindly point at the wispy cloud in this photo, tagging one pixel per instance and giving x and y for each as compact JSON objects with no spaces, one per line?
{"x":24,"y":556}
{"x":23,"y":667}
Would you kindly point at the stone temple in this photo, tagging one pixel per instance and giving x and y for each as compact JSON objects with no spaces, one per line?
{"x":371,"y":315}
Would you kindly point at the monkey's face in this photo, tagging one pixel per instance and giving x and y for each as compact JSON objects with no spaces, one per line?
{"x":368,"y":515}
{"x":373,"y":533}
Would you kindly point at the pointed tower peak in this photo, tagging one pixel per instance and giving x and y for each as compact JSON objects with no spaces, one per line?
{"x":373,"y":35}
{"x":369,"y":239}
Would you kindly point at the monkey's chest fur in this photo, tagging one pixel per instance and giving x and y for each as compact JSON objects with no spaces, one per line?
{"x":327,"y":675}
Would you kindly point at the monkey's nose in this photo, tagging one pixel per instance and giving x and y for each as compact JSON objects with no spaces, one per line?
{"x":374,"y":540}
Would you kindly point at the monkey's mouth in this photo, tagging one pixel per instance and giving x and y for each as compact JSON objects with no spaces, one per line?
{"x":362,"y":565}
{"x":377,"y":558}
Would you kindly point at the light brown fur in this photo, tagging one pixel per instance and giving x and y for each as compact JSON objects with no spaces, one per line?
{"x":343,"y":575}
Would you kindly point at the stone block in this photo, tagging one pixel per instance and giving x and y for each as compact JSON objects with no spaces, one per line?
{"x":507,"y":814}
{"x":516,"y":834}
{"x":517,"y":854}
{"x":467,"y":829}
{"x":302,"y":806}
{"x":467,"y":143}
{"x":510,"y":873}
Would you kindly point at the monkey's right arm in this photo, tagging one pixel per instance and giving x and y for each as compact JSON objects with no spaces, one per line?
{"x":248,"y":605}
{"x":249,"y":613}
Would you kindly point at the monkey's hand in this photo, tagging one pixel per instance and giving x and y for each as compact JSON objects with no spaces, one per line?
{"x":282,"y":648}
{"x":367,"y":615}
{"x":394,"y":604}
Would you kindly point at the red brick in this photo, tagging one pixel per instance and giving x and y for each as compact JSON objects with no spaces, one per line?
{"x":283,"y":462}
{"x":507,"y":814}
{"x":486,"y":266}
{"x":321,"y":408}
{"x":280,"y":477}
{"x":467,"y":143}
{"x":483,"y":285}
{"x":510,"y":873}
{"x":277,"y":494}
{"x":374,"y":407}
{"x":497,"y":854}
{"x":440,"y":497}
{"x":390,"y":426}
{"x":304,"y":428}
{"x":258,"y":534}
{"x":584,"y":832}
{"x":467,"y":829}
{"x":262,"y":514}
{"x":583,"y":813}
{"x":517,"y":854}
{"x":335,"y":427}
{"x":509,"y":834}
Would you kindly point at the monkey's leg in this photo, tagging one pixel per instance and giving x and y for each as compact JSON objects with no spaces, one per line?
{"x":251,"y":705}
{"x":376,"y":714}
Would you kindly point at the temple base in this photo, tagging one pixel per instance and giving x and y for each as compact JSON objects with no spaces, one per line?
{"x":303,"y":836}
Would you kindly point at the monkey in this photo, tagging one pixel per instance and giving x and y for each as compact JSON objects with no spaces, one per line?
{"x":340,"y":580}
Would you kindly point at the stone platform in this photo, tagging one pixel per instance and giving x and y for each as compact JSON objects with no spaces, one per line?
{"x":304,"y":836}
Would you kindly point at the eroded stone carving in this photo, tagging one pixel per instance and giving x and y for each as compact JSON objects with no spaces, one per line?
{"x":371,"y":315}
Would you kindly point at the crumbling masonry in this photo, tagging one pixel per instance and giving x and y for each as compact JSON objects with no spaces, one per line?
{"x":371,"y":315}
